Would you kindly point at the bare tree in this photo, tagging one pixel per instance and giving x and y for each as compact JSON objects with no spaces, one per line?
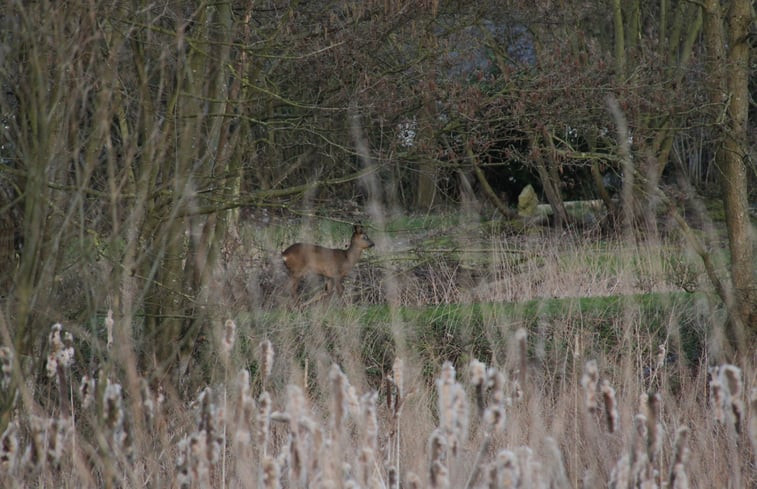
{"x":727,"y":43}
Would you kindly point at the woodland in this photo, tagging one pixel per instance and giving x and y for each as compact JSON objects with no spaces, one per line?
{"x":156,"y":158}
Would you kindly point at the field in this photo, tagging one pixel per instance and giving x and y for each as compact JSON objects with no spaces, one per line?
{"x":462,"y":354}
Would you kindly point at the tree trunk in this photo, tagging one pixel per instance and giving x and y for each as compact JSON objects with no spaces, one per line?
{"x":729,"y":72}
{"x":620,"y":50}
{"x":733,"y":161}
{"x":549,"y":179}
{"x":426,"y":184}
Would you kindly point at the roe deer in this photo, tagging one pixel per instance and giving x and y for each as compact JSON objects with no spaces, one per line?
{"x":302,"y":259}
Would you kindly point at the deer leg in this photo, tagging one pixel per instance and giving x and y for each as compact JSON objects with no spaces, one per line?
{"x":293,"y":283}
{"x":331,"y":284}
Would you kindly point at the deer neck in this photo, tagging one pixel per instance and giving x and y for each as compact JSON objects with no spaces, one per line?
{"x":353,"y":253}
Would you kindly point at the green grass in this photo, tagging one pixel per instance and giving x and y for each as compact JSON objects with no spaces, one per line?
{"x":460,"y":332}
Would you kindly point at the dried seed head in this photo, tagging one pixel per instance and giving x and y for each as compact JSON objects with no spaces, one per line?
{"x":245,"y":409}
{"x":660,"y":356}
{"x":243,"y":382}
{"x":654,"y":428}
{"x":611,"y":406}
{"x":681,"y":446}
{"x":270,"y":473}
{"x":58,"y":432}
{"x":67,"y":353}
{"x":447,"y":375}
{"x":412,"y":481}
{"x":453,"y":407}
{"x":439,"y":476}
{"x":87,"y":391}
{"x":477,"y":372}
{"x":556,"y":465}
{"x":197,"y":455}
{"x":183,"y":475}
{"x":109,"y":329}
{"x":494,"y":417}
{"x":61,"y":355}
{"x":639,"y":460}
{"x":339,"y":386}
{"x":54,"y":338}
{"x":445,"y":385}
{"x":115,"y":418}
{"x":148,"y":400}
{"x":678,"y":477}
{"x":460,"y":414}
{"x":497,"y":384}
{"x":392,"y":478}
{"x":6,"y":367}
{"x":34,"y":455}
{"x":437,"y":446}
{"x":229,"y":336}
{"x":263,"y":421}
{"x":590,"y":384}
{"x":353,"y":403}
{"x":365,"y":465}
{"x":478,"y":379}
{"x":56,"y":344}
{"x":369,"y":424}
{"x":521,"y":336}
{"x":9,"y":448}
{"x":717,"y":399}
{"x":507,"y":470}
{"x":730,"y":377}
{"x":398,"y":377}
{"x":266,"y":358}
{"x":113,"y":414}
{"x":753,"y":422}
{"x":620,"y":476}
{"x":209,"y":419}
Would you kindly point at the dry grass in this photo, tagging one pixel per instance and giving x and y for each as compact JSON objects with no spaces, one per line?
{"x":310,"y":416}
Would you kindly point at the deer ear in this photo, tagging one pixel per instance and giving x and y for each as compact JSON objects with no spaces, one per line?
{"x":357,"y":228}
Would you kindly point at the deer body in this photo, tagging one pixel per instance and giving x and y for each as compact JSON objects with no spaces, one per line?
{"x":302,"y":259}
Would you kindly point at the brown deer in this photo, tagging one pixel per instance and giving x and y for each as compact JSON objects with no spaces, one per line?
{"x":302,"y":259}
